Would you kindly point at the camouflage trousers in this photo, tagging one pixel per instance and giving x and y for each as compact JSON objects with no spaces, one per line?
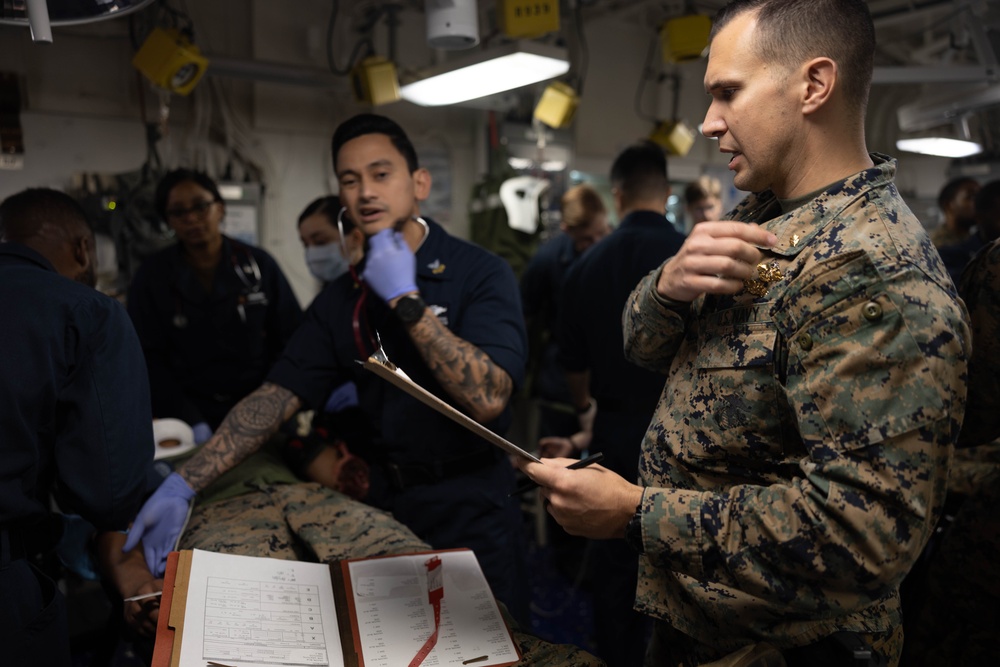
{"x":306,"y":522}
{"x":310,"y":522}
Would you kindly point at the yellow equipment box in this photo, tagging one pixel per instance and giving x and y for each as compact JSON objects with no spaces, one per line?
{"x":528,"y":18}
{"x":170,"y":61}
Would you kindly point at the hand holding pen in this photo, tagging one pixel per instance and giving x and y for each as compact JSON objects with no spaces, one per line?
{"x":528,"y":484}
{"x":590,"y":501}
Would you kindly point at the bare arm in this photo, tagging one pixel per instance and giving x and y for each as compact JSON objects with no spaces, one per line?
{"x":130,"y":576}
{"x":244,"y":430}
{"x":466,"y":372}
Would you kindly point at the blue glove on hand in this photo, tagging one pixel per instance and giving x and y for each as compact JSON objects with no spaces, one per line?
{"x":160,"y":522}
{"x":202,"y":432}
{"x":343,"y":397}
{"x":391,"y":267}
{"x":73,"y":549}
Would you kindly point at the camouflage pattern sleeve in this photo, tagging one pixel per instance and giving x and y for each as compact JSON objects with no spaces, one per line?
{"x":980,"y":288}
{"x":873,"y":393}
{"x":653,"y":330}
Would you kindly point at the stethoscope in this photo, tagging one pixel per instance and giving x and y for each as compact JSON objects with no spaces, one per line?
{"x":359,"y":335}
{"x":252,"y":293}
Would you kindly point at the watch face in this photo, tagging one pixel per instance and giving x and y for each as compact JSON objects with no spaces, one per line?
{"x":410,"y":308}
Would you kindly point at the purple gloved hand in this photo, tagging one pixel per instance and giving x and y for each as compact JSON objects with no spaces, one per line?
{"x":343,"y":397}
{"x":391,"y":267}
{"x":160,"y":522}
{"x":202,"y":432}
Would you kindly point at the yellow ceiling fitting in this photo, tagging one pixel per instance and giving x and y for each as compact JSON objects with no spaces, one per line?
{"x":685,"y":38}
{"x":558,"y":105}
{"x":375,"y":82}
{"x":170,"y":60}
{"x":675,"y":137}
{"x":528,"y":18}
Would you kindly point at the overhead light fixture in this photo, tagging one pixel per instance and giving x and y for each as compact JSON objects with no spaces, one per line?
{"x":940,"y":146}
{"x":40,"y":15}
{"x":170,"y":60}
{"x":487,"y":72}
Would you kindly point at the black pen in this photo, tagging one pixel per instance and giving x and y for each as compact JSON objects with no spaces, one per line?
{"x":527,"y":485}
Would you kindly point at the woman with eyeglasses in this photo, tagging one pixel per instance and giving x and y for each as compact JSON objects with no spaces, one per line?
{"x":212,"y":313}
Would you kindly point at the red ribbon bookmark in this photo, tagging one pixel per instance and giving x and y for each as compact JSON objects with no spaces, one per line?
{"x":435,"y":591}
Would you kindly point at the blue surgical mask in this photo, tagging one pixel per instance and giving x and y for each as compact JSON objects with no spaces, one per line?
{"x":326,"y":262}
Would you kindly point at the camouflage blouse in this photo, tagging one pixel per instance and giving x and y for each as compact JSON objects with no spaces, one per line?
{"x":798,"y":457}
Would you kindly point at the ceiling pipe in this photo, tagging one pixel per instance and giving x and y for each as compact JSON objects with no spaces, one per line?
{"x":38,"y":21}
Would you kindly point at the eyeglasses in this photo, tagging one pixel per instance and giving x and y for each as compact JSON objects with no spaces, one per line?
{"x":198,"y":208}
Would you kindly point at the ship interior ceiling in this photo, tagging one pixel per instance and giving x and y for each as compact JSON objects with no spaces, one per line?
{"x":77,"y":115}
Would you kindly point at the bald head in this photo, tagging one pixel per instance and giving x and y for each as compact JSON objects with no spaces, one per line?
{"x":54,"y":225}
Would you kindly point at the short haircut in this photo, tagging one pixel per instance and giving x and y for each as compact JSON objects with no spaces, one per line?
{"x":952,"y":188}
{"x":23,"y":215}
{"x":580,"y":205}
{"x":640,"y":172}
{"x":328,"y":206}
{"x":369,"y":123}
{"x":790,"y":32}
{"x":174,"y":178}
{"x":987,"y":201}
{"x":703,"y":188}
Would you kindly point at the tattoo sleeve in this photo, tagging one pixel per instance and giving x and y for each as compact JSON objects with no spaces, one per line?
{"x":244,"y":430}
{"x":466,"y":372}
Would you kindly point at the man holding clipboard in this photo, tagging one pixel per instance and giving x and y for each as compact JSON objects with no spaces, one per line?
{"x":449,"y":314}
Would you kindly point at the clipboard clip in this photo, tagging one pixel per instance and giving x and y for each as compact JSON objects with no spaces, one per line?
{"x":379,"y":354}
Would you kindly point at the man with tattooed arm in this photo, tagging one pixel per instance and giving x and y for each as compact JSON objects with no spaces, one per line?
{"x":444,"y":310}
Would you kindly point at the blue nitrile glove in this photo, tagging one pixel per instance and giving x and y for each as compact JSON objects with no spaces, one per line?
{"x":343,"y":397}
{"x":160,"y":522}
{"x":73,"y":549}
{"x":391,"y":267}
{"x":202,"y":432}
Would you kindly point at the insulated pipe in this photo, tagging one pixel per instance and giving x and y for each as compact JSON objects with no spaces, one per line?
{"x":38,"y":20}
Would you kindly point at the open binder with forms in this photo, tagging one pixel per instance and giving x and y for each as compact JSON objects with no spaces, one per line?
{"x":243,"y":611}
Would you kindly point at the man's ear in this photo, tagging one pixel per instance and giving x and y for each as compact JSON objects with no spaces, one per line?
{"x":422,"y":184}
{"x":616,"y":196}
{"x":83,"y":252}
{"x":821,"y":77}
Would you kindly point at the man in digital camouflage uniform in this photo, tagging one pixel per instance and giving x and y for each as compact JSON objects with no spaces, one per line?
{"x":798,"y":457}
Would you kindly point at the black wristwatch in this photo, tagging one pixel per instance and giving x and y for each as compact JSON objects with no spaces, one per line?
{"x":410,"y":308}
{"x":633,"y":530}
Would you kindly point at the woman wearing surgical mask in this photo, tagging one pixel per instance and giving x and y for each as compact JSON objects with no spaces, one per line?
{"x":332,"y":242}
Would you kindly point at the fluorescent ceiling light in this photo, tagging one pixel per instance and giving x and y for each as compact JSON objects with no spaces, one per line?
{"x":487,"y":72}
{"x":940,"y":146}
